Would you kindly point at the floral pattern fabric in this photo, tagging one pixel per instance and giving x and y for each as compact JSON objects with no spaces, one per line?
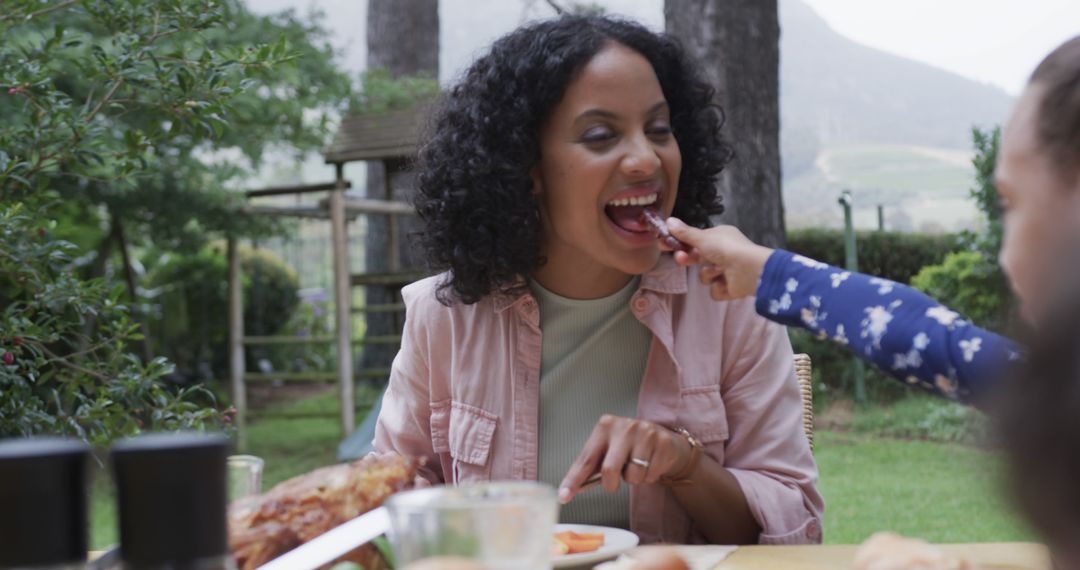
{"x":898,"y":329}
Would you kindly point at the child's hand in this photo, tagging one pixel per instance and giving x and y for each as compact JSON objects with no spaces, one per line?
{"x":733,"y":263}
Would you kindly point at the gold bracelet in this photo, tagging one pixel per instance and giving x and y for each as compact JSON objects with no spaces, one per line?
{"x":682,"y":477}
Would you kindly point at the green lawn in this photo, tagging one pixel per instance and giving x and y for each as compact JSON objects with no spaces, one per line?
{"x":297,"y":445}
{"x":938,"y":491}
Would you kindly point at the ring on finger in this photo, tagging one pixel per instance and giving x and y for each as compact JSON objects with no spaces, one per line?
{"x":639,"y":461}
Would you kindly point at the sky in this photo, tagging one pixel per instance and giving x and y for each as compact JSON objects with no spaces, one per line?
{"x":994,"y":41}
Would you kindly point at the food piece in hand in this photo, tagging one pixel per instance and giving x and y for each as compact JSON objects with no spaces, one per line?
{"x":653,"y":219}
{"x":263,"y":527}
{"x":577,"y":542}
{"x":890,"y":551}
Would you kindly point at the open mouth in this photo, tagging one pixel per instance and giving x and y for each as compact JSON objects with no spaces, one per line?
{"x":627,"y":212}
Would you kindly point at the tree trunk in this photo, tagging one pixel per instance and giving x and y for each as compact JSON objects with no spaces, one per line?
{"x":97,"y":271}
{"x":129,"y":277}
{"x":738,"y":44}
{"x":403,"y":38}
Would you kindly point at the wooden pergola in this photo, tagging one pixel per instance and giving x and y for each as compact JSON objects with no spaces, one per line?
{"x":390,"y":138}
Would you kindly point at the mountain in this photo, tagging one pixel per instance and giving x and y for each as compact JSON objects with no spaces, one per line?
{"x":836,"y":92}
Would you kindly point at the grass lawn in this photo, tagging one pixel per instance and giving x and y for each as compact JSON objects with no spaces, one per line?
{"x":942,"y":492}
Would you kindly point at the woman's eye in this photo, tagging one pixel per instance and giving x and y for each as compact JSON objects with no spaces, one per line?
{"x":597,"y":135}
{"x":659,"y":131}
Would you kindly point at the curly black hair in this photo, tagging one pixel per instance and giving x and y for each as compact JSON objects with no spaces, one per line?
{"x":474,"y":190}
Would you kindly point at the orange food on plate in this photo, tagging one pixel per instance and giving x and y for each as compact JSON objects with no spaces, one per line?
{"x":577,"y":542}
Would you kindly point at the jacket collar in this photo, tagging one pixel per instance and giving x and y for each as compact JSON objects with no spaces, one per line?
{"x":665,"y":277}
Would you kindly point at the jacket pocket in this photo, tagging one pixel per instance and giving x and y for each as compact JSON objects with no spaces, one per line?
{"x":702,"y":413}
{"x":465,"y":433}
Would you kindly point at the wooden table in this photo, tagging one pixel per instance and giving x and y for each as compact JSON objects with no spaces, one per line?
{"x":990,"y":555}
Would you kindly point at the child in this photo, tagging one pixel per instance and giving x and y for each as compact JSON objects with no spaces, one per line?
{"x":902,"y":331}
{"x":913,"y":337}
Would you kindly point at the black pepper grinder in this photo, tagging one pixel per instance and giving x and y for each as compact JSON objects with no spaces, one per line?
{"x":171,"y":501}
{"x":43,"y":484}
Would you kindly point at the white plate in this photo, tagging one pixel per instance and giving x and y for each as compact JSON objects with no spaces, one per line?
{"x":616,"y":541}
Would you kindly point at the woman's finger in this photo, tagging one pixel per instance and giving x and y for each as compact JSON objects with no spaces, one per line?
{"x":586,"y":464}
{"x":684,"y":258}
{"x":709,"y":273}
{"x":719,"y":290}
{"x":641,"y":466}
{"x":619,"y":445}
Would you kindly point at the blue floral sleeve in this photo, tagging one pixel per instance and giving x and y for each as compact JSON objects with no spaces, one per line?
{"x":898,"y":329}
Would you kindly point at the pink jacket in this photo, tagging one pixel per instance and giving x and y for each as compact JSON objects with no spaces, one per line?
{"x":464,"y":394}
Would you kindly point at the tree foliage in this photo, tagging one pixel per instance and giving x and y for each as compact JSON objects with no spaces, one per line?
{"x":972,"y":281}
{"x":145,"y":112}
{"x":55,"y":376}
{"x":193,"y":326}
{"x":153,"y":110}
{"x":383,"y":92}
{"x":893,"y":255}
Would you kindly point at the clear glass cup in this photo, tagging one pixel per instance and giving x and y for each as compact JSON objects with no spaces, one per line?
{"x":501,"y":525}
{"x":245,"y":476}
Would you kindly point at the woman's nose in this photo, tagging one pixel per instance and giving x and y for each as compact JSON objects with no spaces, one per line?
{"x":640,"y":158}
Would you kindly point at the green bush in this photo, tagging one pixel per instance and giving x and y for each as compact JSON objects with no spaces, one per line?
{"x":58,"y":374}
{"x":383,"y":92}
{"x":833,"y":375}
{"x":191,"y":293}
{"x":924,"y":417}
{"x":313,"y":317}
{"x":969,"y":284}
{"x":892,"y":255}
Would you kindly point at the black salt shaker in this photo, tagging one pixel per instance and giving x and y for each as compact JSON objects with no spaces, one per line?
{"x":171,"y":501}
{"x":43,"y":513}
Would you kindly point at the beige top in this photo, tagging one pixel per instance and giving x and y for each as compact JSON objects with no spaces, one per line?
{"x":592,"y":358}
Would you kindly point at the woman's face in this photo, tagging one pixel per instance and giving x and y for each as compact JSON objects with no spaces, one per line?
{"x":1041,"y":210}
{"x":606,"y":153}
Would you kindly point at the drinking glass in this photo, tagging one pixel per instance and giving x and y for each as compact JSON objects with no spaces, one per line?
{"x":501,"y":525}
{"x":245,"y":476}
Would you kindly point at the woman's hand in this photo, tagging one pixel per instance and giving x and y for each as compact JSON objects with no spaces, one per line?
{"x":628,"y":449}
{"x":733,"y":263}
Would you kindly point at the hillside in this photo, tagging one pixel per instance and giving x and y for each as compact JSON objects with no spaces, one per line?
{"x":895,"y":130}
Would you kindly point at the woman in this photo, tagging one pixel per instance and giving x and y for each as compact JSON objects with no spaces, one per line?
{"x":900,"y":330}
{"x":559,"y":343}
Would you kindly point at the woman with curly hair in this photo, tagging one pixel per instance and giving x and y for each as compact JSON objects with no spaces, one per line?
{"x":558,"y":342}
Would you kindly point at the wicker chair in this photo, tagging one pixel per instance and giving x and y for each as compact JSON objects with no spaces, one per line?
{"x":802,"y":372}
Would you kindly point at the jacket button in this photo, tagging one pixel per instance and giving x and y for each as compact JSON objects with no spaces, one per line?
{"x":641,"y":304}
